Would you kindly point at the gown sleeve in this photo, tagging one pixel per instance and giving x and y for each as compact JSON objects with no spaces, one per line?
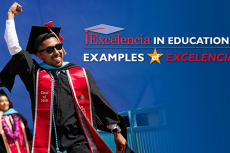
{"x":102,"y":107}
{"x":20,"y":64}
{"x":104,"y":113}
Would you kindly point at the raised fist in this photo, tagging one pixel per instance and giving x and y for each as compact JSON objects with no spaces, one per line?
{"x":15,"y":9}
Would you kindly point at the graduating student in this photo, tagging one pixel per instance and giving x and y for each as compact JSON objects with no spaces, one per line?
{"x":14,"y":131}
{"x":67,"y":105}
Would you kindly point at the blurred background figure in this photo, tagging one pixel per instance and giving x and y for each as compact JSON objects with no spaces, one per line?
{"x":15,"y":134}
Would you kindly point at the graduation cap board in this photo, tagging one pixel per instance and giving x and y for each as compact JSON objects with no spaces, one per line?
{"x":36,"y":35}
{"x":104,"y":29}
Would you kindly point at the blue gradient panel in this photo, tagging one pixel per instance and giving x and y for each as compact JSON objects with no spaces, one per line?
{"x":197,"y":92}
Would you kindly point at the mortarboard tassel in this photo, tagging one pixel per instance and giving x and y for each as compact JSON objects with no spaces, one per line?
{"x":59,"y":38}
{"x":50,"y":24}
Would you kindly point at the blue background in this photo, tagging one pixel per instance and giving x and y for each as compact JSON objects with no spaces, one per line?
{"x":197,"y":91}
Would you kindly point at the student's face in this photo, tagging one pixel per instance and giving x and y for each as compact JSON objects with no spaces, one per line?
{"x":54,"y":59}
{"x":4,"y":103}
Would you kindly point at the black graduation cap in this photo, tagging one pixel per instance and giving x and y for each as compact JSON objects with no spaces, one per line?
{"x":36,"y":35}
{"x":2,"y":93}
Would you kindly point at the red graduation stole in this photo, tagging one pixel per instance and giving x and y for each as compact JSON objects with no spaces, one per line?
{"x":43,"y":113}
{"x":19,"y":145}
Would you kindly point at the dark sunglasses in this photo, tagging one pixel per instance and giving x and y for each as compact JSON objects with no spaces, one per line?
{"x":50,"y":49}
